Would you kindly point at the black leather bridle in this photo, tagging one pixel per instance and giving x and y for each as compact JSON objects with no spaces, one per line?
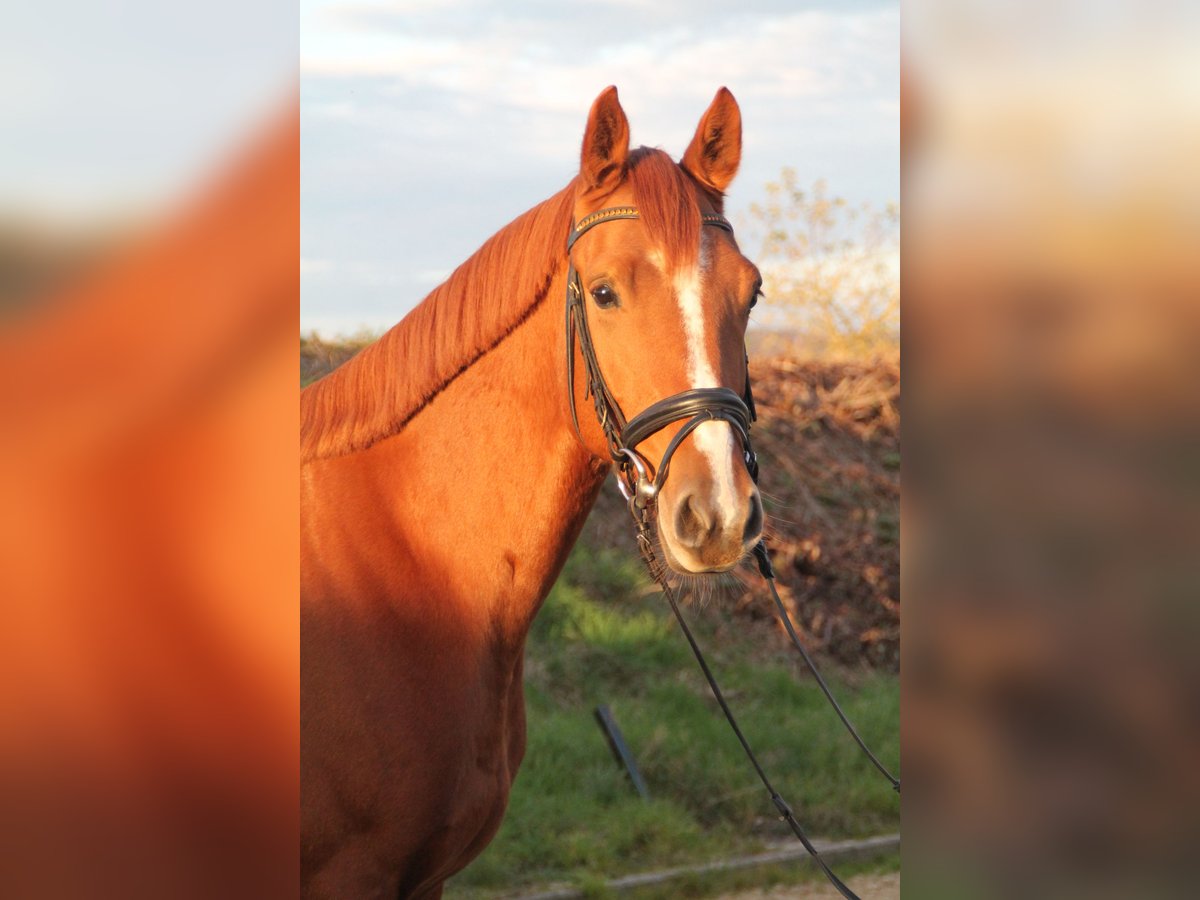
{"x":639,"y":481}
{"x":640,"y":484}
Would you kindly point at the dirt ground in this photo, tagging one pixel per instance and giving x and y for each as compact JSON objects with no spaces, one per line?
{"x":868,"y":887}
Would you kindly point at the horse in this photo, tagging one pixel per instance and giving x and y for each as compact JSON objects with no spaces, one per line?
{"x":445,"y":477}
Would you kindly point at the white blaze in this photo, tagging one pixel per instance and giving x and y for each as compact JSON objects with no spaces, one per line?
{"x":713,"y":439}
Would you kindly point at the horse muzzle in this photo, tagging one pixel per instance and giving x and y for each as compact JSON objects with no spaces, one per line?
{"x":702,"y":528}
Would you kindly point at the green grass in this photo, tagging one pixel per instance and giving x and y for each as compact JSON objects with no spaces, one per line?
{"x":574,"y":817}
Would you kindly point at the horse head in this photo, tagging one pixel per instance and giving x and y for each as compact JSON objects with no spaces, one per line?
{"x":663,"y":302}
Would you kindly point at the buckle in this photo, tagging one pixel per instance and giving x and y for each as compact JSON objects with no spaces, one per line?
{"x":638,"y":488}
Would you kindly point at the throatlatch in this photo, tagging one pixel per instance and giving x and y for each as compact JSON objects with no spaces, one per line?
{"x":640,"y":484}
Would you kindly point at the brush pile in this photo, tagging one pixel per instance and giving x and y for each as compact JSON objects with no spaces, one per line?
{"x":828,"y":442}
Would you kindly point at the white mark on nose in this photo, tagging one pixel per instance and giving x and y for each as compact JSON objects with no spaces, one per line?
{"x":713,"y":439}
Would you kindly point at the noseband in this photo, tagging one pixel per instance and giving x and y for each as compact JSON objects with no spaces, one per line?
{"x":639,"y":481}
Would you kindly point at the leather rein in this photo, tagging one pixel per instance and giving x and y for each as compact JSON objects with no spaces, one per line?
{"x":640,"y":484}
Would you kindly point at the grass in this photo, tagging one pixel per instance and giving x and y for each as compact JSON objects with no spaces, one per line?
{"x":575,"y":818}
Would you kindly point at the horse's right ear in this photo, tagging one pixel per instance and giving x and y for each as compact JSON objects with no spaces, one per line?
{"x":605,"y":145}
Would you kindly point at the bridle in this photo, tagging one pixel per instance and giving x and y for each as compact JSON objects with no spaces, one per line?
{"x":639,"y":481}
{"x":640,"y":484}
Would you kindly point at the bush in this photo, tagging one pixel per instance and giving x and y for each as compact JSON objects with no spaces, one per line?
{"x":831,"y":271}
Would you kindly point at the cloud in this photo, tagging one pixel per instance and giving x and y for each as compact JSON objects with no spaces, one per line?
{"x":789,"y":66}
{"x":310,"y":266}
{"x":544,"y":66}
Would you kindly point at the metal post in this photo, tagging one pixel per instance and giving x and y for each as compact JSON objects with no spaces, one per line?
{"x":620,"y":749}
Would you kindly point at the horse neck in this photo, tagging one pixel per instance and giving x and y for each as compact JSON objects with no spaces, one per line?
{"x":476,"y":503}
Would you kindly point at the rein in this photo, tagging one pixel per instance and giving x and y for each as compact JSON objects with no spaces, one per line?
{"x":640,"y":484}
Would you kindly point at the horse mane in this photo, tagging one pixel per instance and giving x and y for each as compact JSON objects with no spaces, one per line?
{"x":375,"y":394}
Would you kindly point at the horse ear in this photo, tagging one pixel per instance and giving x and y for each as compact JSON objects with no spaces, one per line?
{"x":605,"y":144}
{"x":713,"y":156}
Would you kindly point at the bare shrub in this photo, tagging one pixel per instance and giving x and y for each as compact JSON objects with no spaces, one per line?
{"x":831,"y":272}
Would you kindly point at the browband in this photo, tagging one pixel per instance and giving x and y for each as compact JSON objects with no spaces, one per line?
{"x":631,"y":212}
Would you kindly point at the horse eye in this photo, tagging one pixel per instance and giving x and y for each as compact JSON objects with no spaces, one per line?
{"x":604,"y":296}
{"x":754,"y":297}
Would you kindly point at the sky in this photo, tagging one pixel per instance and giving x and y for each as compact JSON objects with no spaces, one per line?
{"x":427,"y":125}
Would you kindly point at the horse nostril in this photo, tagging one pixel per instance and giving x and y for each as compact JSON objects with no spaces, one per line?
{"x":691,"y":524}
{"x":754,"y":521}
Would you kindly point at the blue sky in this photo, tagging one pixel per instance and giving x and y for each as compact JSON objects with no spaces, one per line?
{"x":429,"y":124}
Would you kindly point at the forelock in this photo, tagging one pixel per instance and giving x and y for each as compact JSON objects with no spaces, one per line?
{"x":666,"y":198}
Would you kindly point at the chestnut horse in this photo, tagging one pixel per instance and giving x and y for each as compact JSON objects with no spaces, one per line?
{"x":443,"y":484}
